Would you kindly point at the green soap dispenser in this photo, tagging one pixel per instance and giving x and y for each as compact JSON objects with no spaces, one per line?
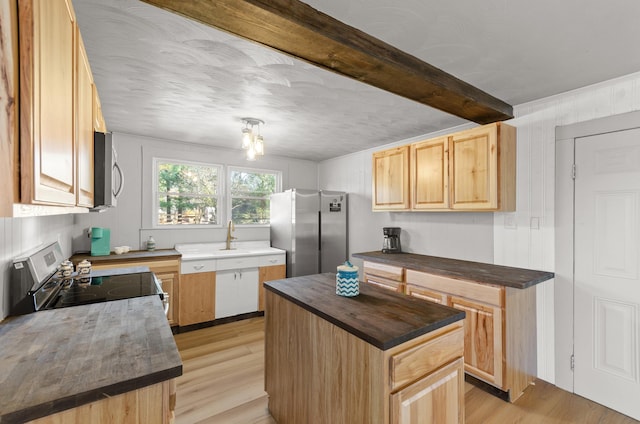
{"x":100,"y":241}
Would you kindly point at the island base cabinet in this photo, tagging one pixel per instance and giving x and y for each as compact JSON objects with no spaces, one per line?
{"x":151,"y":404}
{"x":432,"y":399}
{"x":317,"y":372}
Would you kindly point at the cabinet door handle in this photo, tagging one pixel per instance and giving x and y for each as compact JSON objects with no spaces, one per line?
{"x":273,"y":261}
{"x":198,"y":267}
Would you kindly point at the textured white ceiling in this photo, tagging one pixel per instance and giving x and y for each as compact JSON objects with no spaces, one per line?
{"x":164,"y":76}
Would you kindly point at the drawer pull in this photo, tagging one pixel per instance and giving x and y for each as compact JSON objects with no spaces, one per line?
{"x":198,"y":267}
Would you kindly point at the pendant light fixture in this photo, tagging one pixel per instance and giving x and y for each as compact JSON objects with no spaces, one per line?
{"x":252,"y":141}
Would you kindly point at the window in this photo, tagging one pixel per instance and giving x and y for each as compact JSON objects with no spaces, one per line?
{"x":249,"y":191}
{"x":188,"y":193}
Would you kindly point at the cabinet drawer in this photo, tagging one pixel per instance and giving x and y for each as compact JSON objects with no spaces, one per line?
{"x":271,"y":260}
{"x":250,"y":262}
{"x":385,"y":283}
{"x":414,"y":363}
{"x":389,"y":272}
{"x":485,"y":293}
{"x":192,"y":267}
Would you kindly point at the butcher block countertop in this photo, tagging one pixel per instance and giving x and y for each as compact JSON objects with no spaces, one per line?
{"x":63,"y":358}
{"x":378,"y":316}
{"x":131,"y":256}
{"x":478,"y":272}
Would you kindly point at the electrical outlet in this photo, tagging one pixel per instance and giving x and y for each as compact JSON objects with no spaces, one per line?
{"x":535,"y":223}
{"x":510,"y":221}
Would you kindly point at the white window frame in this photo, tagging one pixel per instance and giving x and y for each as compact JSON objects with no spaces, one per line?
{"x":221,"y":198}
{"x":229,"y":198}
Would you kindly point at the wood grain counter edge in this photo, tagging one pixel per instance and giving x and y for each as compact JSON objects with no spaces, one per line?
{"x":380,"y":344}
{"x":136,"y":255}
{"x":479,"y":272}
{"x":59,"y":405}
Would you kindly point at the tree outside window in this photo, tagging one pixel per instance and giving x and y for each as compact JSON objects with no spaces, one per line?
{"x":187,"y":193}
{"x":249,"y":192}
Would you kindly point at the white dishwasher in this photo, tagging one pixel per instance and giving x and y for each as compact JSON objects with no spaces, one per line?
{"x":236,"y":292}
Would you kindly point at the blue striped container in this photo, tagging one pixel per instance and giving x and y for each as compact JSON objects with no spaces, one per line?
{"x":347,"y":280}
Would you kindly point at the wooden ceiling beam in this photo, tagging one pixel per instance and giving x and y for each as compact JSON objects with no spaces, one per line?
{"x":297,"y":29}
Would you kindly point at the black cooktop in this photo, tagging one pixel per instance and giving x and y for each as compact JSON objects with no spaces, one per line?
{"x":103,"y":289}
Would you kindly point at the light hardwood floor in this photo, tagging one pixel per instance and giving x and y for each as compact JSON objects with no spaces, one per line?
{"x":223,"y":382}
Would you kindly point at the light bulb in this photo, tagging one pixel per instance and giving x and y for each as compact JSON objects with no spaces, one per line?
{"x":247,"y":135}
{"x":251,"y":153}
{"x":259,"y":145}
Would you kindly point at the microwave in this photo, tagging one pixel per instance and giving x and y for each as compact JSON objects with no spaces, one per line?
{"x":108,"y":179}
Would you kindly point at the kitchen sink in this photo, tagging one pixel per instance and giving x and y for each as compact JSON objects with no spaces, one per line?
{"x":225,"y":252}
{"x":199,"y":251}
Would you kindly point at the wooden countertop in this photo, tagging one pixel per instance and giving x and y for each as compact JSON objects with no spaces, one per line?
{"x":378,"y":316}
{"x":478,"y":272}
{"x":132,"y":256}
{"x":59,"y":359}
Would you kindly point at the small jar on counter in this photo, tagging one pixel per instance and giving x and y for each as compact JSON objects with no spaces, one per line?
{"x":151,"y":244}
{"x":347,"y":280}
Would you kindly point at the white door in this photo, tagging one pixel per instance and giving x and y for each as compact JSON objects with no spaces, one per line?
{"x":236,"y":292}
{"x":607,"y":262}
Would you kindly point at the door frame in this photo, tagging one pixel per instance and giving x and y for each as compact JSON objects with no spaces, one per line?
{"x":566,"y":138}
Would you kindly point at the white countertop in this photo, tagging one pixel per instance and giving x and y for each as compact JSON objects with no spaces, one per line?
{"x":199,"y":251}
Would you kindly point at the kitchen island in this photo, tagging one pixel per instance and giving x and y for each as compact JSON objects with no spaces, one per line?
{"x":103,"y":362}
{"x":379,"y":357}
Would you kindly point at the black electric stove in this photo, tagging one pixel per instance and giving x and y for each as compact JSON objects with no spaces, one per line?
{"x":36,"y":284}
{"x":75,"y":292}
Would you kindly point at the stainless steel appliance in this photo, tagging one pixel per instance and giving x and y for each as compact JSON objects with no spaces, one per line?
{"x":108,"y":179}
{"x":391,"y":240}
{"x":312,"y":227}
{"x":35,"y":284}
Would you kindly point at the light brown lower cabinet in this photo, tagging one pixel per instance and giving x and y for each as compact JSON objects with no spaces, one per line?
{"x":415,"y":403}
{"x":317,"y":372}
{"x":197,"y":298}
{"x":500,"y":327}
{"x":151,"y":404}
{"x":268,"y":273}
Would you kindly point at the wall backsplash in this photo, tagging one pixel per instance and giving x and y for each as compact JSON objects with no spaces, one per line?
{"x":20,"y":235}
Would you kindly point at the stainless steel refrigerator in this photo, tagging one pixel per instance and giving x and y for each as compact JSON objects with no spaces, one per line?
{"x":312,"y":227}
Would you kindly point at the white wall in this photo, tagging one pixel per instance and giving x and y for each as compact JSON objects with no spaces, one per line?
{"x":130,"y":221}
{"x":20,"y":235}
{"x":524,"y":238}
{"x":527,"y":247}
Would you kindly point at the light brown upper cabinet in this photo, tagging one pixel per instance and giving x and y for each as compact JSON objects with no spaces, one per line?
{"x":391,"y":179}
{"x":430,"y":174}
{"x":99,"y":123}
{"x":473,"y":170}
{"x":47,"y":77}
{"x":483,"y":168}
{"x":8,"y":105}
{"x":84,"y":127}
{"x":56,"y":110}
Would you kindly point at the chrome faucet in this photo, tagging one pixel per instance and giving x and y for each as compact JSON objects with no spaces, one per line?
{"x":230,"y":229}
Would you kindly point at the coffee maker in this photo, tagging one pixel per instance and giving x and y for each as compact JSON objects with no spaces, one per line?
{"x":100,"y":241}
{"x":391,"y":241}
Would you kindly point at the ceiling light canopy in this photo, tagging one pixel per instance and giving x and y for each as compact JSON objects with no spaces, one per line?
{"x":252,"y":141}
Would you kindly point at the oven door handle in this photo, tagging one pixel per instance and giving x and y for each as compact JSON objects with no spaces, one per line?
{"x":165,"y":302}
